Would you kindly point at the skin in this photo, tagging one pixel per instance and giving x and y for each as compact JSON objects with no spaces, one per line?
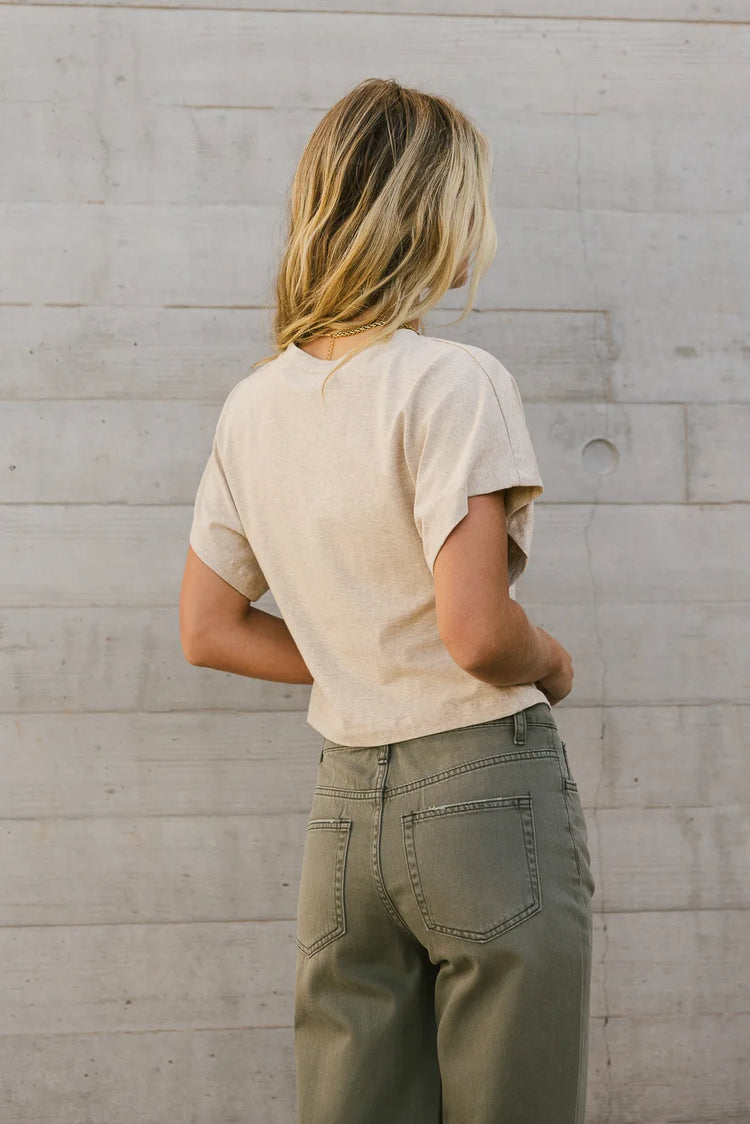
{"x":220,"y":628}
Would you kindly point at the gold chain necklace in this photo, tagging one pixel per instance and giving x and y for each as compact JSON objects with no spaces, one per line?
{"x":361,"y":328}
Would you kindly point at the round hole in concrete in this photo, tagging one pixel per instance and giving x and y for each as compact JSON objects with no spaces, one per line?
{"x":600,"y":456}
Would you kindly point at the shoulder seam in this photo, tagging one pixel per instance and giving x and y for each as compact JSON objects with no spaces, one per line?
{"x":460,"y":347}
{"x":223,"y":418}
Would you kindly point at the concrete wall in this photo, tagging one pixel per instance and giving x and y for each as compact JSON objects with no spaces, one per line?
{"x":152,"y":814}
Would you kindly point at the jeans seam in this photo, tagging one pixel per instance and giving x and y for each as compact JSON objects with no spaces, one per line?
{"x":570,"y":829}
{"x":377,"y":824}
{"x":435,"y":778}
{"x":568,"y":772}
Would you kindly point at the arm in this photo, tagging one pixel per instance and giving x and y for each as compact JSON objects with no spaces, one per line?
{"x":486,"y":632}
{"x":521,"y":653}
{"x":221,"y":629}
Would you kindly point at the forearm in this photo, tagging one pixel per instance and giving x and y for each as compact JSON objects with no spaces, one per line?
{"x":518,"y":653}
{"x":259,"y":646}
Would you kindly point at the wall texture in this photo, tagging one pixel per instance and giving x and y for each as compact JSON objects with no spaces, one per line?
{"x":153,"y":814}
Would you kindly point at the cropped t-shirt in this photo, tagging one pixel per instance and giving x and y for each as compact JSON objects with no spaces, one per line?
{"x":340,"y":505}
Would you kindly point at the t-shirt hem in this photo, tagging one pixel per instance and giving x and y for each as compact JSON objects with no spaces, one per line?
{"x":227,"y":570}
{"x":474,"y":713}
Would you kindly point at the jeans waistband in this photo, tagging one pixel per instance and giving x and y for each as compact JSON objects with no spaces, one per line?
{"x":538,"y":714}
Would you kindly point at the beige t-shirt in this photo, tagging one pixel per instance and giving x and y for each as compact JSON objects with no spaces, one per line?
{"x":340,"y":507}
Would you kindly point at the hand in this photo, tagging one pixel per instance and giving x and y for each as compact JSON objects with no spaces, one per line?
{"x":559,"y":682}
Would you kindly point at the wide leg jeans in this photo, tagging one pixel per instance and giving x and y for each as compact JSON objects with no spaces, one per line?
{"x":444,"y":931}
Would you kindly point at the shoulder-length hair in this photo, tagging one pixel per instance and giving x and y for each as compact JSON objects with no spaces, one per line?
{"x":389,"y":203}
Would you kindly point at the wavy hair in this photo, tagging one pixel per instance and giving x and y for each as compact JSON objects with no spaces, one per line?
{"x":389,"y":203}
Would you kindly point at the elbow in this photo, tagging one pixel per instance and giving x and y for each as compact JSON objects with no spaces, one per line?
{"x":192,"y":656}
{"x":194,"y":649}
{"x":467,"y":653}
{"x":474,"y":661}
{"x":493,"y":668}
{"x":487,"y":667}
{"x":484,"y":644}
{"x":480,"y":656}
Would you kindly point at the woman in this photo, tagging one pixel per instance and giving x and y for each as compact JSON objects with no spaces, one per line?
{"x":380,"y":482}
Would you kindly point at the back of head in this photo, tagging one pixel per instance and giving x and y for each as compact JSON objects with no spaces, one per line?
{"x":389,"y":203}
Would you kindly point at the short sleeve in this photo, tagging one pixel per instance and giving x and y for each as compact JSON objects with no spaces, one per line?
{"x":217,"y":534}
{"x":466,"y":434}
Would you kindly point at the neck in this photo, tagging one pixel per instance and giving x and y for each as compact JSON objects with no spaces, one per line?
{"x":320,"y":346}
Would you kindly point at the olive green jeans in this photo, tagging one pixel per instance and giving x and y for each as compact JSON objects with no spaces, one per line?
{"x":444,"y":931}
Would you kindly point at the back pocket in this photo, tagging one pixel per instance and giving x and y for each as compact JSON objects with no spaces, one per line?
{"x":473,"y":866}
{"x":321,"y":916}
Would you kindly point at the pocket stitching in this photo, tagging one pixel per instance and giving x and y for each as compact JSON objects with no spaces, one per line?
{"x":568,"y":771}
{"x":525,"y":807}
{"x":343,"y":827}
{"x":571,"y":786}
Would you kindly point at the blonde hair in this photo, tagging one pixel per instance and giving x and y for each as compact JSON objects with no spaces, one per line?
{"x":389,"y":200}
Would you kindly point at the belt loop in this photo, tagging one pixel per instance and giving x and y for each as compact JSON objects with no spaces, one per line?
{"x":519,"y":728}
